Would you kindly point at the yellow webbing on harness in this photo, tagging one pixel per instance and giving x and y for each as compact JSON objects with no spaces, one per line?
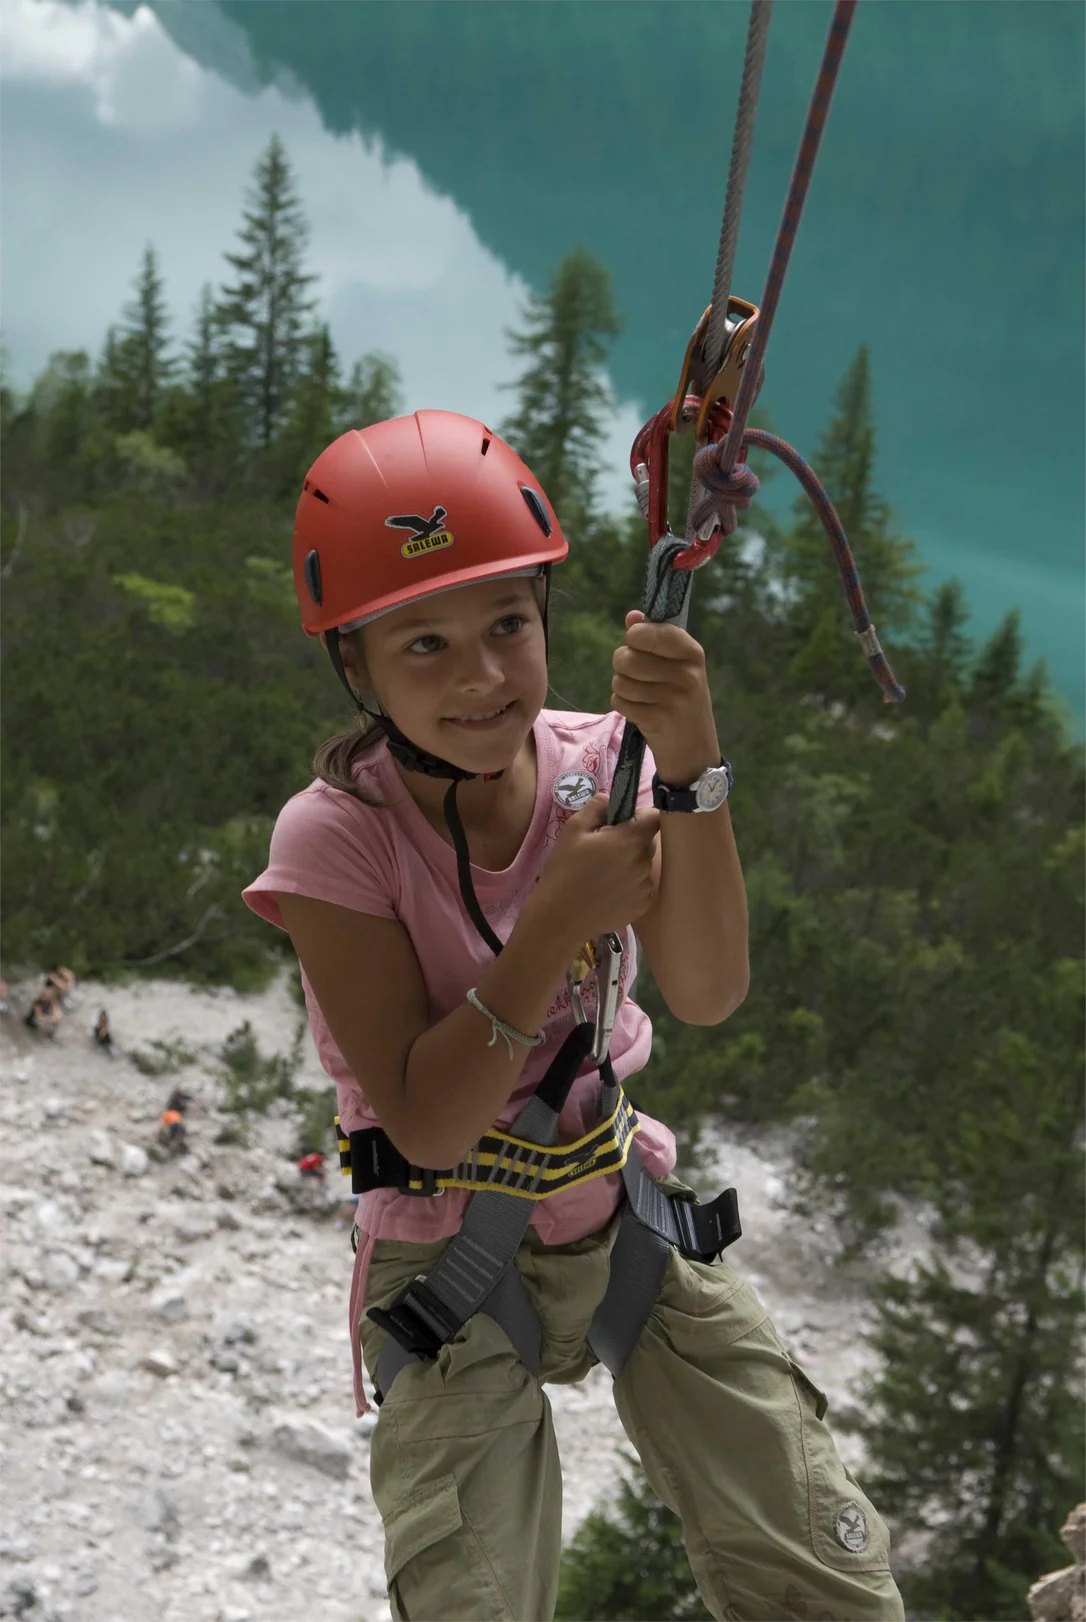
{"x":539,"y":1169}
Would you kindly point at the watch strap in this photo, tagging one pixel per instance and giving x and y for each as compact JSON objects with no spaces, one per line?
{"x":666,"y":797}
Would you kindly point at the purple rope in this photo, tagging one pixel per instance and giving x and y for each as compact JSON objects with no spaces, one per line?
{"x":741,"y":485}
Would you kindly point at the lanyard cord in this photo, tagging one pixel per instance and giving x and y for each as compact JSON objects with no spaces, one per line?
{"x":668,"y":583}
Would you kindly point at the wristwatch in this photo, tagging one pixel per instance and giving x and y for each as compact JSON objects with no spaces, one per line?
{"x":706,"y":793}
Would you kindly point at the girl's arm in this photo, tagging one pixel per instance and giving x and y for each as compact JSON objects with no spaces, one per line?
{"x":437,"y":1089}
{"x":694,"y":935}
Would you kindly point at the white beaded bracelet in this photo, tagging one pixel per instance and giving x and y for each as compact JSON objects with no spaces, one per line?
{"x":509,"y":1032}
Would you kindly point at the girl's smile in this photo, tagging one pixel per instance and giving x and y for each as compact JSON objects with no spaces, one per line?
{"x":487,"y":721}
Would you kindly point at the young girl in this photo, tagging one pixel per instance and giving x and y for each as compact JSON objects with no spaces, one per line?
{"x":438,"y":880}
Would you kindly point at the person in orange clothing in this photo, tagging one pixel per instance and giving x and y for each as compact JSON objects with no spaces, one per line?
{"x":171,"y":1131}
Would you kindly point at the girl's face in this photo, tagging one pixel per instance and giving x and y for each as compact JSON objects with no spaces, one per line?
{"x":463,"y":674}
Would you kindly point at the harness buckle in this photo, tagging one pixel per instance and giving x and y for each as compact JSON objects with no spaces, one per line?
{"x":707,"y":1230}
{"x":429,"y":1189}
{"x":417,"y":1320}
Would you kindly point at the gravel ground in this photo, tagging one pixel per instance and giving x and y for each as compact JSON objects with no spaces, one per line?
{"x":177,"y":1431}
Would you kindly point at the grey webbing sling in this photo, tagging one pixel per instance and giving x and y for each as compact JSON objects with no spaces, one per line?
{"x":477,"y":1273}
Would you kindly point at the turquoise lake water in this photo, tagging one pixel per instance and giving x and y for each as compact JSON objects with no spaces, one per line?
{"x":449,"y":155}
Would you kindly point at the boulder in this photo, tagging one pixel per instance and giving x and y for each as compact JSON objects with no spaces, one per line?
{"x":1061,"y":1595}
{"x":134,"y":1161}
{"x":161,"y":1361}
{"x":100,"y":1149}
{"x":311,"y":1444}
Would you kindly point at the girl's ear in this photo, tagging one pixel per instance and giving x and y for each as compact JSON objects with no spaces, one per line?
{"x":354,"y":663}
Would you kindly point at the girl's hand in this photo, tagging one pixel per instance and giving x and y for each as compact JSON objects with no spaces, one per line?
{"x":659,"y":683}
{"x":599,"y":878}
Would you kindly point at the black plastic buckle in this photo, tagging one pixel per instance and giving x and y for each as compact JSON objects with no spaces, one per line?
{"x":417,"y":1321}
{"x":707,"y":1230}
{"x":429,"y":1187}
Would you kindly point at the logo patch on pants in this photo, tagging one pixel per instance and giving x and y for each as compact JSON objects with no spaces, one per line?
{"x":851,"y":1527}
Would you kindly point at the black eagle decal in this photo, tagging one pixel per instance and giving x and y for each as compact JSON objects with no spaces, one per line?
{"x":422,"y":528}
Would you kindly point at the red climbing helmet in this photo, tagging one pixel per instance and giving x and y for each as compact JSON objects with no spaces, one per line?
{"x":411,"y":506}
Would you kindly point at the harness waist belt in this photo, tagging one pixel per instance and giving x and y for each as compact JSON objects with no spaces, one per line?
{"x":532,"y":1171}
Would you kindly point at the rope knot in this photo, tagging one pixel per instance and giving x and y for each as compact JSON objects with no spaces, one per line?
{"x":726,"y":493}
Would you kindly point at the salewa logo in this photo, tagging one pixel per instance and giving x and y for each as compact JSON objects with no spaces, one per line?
{"x":574,"y":789}
{"x":428,"y":534}
{"x":850,"y":1526}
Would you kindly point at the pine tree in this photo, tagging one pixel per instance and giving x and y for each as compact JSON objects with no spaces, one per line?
{"x":373,"y":393}
{"x":942,"y":640}
{"x":558,"y":427}
{"x":114,"y":384}
{"x":265,"y":313}
{"x":67,"y":426}
{"x":204,"y":358}
{"x":886,"y":562}
{"x":318,"y":409}
{"x":974,"y":1422}
{"x":200,"y":417}
{"x":145,"y":343}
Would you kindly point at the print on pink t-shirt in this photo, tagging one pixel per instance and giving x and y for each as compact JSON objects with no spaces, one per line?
{"x":390,"y":862}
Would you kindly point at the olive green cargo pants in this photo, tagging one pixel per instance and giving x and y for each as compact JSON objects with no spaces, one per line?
{"x":465,"y":1471}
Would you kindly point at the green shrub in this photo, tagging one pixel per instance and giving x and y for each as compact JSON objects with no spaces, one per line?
{"x":631,"y":1567}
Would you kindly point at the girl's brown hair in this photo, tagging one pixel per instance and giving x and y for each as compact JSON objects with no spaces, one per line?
{"x":334,"y":761}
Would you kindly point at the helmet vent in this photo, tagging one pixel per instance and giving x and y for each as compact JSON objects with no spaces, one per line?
{"x":311,"y":568}
{"x":320,"y":495}
{"x":536,"y":508}
{"x":486,"y":447}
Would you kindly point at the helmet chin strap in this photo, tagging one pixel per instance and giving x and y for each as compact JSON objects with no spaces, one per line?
{"x":414,"y":759}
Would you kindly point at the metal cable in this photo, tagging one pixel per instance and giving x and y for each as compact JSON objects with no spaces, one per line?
{"x":786,"y":235}
{"x":742,"y":140}
{"x":737,"y":179}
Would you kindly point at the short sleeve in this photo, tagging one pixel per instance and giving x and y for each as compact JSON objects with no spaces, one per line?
{"x":325,"y":846}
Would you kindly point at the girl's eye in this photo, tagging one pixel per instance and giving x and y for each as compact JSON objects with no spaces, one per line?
{"x":512,"y":622}
{"x":419,"y":644}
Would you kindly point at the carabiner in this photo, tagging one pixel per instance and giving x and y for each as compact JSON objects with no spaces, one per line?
{"x":608,"y":976}
{"x":576,"y":975}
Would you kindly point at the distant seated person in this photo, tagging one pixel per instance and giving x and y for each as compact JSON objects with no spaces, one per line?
{"x":103,"y":1036}
{"x":312,"y":1165}
{"x":44,"y":1015}
{"x":179,"y":1101}
{"x":171,"y":1130}
{"x":62,"y":981}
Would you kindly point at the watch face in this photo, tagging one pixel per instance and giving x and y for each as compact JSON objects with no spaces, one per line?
{"x":713,"y":789}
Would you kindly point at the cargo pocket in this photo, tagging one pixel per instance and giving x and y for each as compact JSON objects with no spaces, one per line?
{"x":847,"y":1531}
{"x":424,"y":1583}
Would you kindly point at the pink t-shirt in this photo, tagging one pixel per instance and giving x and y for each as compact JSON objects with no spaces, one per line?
{"x":390,"y":862}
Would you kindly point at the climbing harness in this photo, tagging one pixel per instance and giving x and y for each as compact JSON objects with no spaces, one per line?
{"x":508,"y":1171}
